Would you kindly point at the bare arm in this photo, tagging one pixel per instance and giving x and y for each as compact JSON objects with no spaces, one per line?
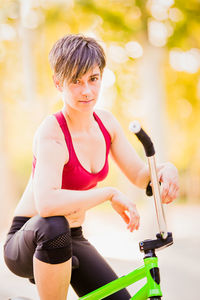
{"x":136,"y":170}
{"x":49,"y":197}
{"x":126,"y":157}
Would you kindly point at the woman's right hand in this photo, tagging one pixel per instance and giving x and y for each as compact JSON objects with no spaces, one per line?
{"x":126,"y":209}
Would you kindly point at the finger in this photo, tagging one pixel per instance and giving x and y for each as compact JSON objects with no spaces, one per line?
{"x":172,"y":191}
{"x":131,"y":221}
{"x":132,"y":216}
{"x":172,"y":197}
{"x":134,"y":226}
{"x":175,"y":192}
{"x":167,"y":200}
{"x":125,"y":217}
{"x":165,"y":189}
{"x":172,"y":194}
{"x":134,"y":220}
{"x":138,"y":223}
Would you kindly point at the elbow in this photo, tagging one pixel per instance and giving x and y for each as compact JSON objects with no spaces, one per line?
{"x":43,"y":210}
{"x":43,"y":205}
{"x":142,"y":178}
{"x":43,"y":213}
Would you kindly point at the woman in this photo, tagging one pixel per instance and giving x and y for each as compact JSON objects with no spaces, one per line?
{"x":70,"y":157}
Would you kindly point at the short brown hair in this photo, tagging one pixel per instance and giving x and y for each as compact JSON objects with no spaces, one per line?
{"x":74,"y":55}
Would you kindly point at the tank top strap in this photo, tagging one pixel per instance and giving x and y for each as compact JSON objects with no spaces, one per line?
{"x":104,"y":131}
{"x":63,"y":125}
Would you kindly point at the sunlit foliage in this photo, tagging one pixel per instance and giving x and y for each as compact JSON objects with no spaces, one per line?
{"x":28,"y":30}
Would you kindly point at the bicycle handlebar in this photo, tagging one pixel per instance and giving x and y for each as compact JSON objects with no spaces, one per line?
{"x":150,"y":153}
{"x":143,"y":137}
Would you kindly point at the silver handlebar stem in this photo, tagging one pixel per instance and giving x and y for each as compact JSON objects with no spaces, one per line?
{"x":157,"y":198}
{"x":162,"y":225}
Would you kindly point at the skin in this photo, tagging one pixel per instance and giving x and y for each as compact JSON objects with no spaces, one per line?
{"x":43,"y":194}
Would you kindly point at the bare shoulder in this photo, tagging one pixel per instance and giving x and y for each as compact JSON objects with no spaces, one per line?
{"x":109,"y":121}
{"x":49,"y":129}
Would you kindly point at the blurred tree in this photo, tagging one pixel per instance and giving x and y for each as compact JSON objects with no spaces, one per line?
{"x":7,"y":186}
{"x":27,"y":23}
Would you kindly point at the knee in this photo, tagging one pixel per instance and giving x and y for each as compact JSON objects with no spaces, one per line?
{"x":51,"y":227}
{"x":53,"y":237}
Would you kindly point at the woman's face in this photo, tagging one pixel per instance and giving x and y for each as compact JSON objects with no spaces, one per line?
{"x":83,"y":93}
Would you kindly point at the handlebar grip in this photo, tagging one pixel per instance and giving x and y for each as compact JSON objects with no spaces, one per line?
{"x":143,"y":137}
{"x":149,"y":191}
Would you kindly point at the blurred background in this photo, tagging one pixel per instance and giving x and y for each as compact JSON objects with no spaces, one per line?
{"x":152,"y":75}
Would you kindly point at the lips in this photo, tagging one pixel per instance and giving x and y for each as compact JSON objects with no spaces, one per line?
{"x":86,"y":101}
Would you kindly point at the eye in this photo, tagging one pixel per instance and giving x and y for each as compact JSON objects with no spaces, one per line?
{"x":94,"y":79}
{"x":76,"y":81}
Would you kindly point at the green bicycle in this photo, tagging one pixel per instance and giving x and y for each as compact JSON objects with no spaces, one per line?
{"x":149,"y":270}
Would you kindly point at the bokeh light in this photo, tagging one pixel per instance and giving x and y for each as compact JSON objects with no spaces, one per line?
{"x":117,"y":54}
{"x":134,"y":49}
{"x":7,"y":32}
{"x":157,"y":33}
{"x":185,"y":61}
{"x":109,"y":78}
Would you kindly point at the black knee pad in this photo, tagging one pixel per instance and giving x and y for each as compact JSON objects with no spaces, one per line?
{"x":53,"y":240}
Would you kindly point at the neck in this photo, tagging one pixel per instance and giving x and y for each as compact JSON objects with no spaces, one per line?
{"x":77,"y":119}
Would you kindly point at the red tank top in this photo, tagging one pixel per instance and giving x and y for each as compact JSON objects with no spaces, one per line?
{"x":75,"y":176}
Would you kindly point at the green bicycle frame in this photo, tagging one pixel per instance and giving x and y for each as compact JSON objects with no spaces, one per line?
{"x":150,"y":289}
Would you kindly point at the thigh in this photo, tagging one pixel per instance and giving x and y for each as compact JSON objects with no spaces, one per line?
{"x":93,"y":271}
{"x":47,"y":238}
{"x":18,"y":253}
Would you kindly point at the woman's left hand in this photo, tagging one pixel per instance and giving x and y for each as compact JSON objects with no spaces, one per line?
{"x":168,"y":176}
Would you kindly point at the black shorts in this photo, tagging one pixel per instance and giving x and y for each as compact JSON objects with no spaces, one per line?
{"x":51,"y":240}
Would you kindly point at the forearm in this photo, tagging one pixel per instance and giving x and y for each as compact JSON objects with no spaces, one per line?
{"x":167,"y":174}
{"x":143,"y":177}
{"x":64,"y":202}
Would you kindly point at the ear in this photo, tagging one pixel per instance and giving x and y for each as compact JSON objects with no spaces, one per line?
{"x":57,"y":83}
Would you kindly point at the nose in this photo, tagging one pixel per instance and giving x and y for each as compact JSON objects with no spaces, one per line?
{"x":86,"y":90}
